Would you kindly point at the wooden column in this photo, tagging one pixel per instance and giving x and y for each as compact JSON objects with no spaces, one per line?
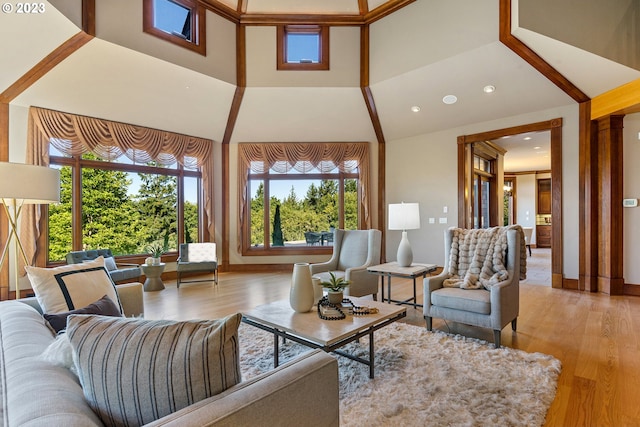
{"x":610,"y":219}
{"x":589,"y":201}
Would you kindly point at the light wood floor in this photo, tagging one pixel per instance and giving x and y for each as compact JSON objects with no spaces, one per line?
{"x":596,"y":337}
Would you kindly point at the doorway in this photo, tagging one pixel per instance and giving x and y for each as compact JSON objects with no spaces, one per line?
{"x":465,"y":183}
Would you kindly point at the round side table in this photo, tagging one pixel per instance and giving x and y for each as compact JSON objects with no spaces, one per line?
{"x":153,"y":273}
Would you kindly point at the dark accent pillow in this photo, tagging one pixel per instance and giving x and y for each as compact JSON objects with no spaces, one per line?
{"x":135,"y":371}
{"x":104,"y":307}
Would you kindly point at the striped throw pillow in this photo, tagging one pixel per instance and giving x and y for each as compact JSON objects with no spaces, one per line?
{"x":135,"y":371}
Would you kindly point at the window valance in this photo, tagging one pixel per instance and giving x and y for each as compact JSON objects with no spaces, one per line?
{"x":74,"y":135}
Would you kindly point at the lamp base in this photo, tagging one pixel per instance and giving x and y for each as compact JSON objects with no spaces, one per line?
{"x":405,"y":254}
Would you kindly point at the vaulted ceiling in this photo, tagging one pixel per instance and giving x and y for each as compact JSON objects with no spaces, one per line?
{"x":419,"y":52}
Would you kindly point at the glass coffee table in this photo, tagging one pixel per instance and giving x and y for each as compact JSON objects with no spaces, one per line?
{"x":308,"y":329}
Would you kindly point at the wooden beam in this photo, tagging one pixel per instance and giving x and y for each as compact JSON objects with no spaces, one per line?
{"x":624,"y":99}
{"x":89,"y":17}
{"x":291,"y":19}
{"x":532,"y":58}
{"x":386,"y":9}
{"x":43,"y":67}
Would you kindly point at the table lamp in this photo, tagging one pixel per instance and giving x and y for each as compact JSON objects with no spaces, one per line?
{"x":404,"y":216}
{"x":22,"y":184}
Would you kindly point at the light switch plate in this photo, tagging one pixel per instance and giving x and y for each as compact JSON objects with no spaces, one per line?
{"x":432,"y":220}
{"x":630,"y":203}
{"x":443,"y":220}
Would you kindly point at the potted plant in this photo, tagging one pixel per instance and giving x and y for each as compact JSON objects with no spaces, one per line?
{"x":335,"y":287}
{"x":156,"y":250}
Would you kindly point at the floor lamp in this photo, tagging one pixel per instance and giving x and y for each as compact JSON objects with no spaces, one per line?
{"x":20,"y":185}
{"x":404,"y":216}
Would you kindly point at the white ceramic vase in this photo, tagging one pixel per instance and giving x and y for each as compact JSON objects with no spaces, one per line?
{"x":301,"y":292}
{"x":317,"y":289}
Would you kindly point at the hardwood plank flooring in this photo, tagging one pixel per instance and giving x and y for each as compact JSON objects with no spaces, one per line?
{"x":595,"y":336}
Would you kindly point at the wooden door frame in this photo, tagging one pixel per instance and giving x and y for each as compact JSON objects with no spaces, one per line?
{"x":554,"y":126}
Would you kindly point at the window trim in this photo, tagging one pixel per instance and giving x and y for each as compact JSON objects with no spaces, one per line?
{"x":323,"y":33}
{"x":198,"y":26}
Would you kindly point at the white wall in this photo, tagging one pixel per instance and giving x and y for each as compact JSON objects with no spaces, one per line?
{"x":424,"y":169}
{"x":631,"y":216}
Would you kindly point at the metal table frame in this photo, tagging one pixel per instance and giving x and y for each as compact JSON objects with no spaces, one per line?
{"x":332,"y":348}
{"x":392,"y":269}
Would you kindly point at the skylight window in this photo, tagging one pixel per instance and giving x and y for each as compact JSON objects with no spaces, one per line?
{"x":172,"y":18}
{"x":181,"y":22}
{"x":303,"y":47}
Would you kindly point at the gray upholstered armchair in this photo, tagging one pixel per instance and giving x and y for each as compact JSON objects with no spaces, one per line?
{"x":487,"y":308}
{"x":197,"y":258}
{"x":353,"y":252}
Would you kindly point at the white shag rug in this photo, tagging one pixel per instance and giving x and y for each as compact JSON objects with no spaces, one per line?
{"x":427,"y":379}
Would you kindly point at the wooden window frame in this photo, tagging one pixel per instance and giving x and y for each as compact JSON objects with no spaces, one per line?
{"x":323,"y":61}
{"x":198,"y":26}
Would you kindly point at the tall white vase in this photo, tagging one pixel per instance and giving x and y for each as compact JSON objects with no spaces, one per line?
{"x":301,"y":292}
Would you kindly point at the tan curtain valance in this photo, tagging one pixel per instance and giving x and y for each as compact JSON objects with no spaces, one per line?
{"x":303,"y":157}
{"x":74,"y":135}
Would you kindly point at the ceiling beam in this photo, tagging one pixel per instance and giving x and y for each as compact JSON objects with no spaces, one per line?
{"x":624,"y":99}
{"x":61,"y":53}
{"x":532,"y":58}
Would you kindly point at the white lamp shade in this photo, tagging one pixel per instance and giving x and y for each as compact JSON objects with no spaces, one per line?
{"x":404,"y":216}
{"x":29,"y":183}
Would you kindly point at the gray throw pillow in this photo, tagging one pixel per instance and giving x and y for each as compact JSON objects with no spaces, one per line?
{"x":104,"y":307}
{"x":135,"y":371}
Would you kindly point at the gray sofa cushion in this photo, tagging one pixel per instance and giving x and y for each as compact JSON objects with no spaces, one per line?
{"x":137,"y":371}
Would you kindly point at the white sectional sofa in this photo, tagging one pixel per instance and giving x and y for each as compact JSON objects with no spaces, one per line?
{"x":34,"y":392}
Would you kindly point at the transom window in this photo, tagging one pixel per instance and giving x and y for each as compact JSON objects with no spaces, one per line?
{"x":181,"y":22}
{"x":303,"y":47}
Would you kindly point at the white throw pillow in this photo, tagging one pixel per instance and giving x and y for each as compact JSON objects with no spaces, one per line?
{"x":73,"y":286}
{"x":60,"y":353}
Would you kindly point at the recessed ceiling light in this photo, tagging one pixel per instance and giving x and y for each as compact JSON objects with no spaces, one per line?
{"x":489,"y":89}
{"x":537,"y":148}
{"x":415,"y":108}
{"x":450,"y":99}
{"x":527,"y":138}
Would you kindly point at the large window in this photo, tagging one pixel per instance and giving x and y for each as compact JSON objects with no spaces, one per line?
{"x":296,"y":194}
{"x":123,"y":186}
{"x":303,"y":47}
{"x":181,"y":22}
{"x":124,"y":206}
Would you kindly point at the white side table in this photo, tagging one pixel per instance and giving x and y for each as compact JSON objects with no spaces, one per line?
{"x":154,"y":276}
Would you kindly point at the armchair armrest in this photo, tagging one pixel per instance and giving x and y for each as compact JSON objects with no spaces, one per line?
{"x":126,"y":264}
